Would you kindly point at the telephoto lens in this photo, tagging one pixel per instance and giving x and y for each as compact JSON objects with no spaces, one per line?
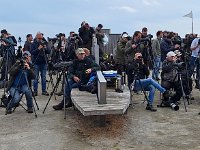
{"x":174,"y":106}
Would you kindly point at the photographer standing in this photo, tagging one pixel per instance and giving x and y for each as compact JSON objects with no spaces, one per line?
{"x":86,"y":33}
{"x":133,"y":46}
{"x":169,"y":77}
{"x":20,"y":74}
{"x":100,"y":35}
{"x":74,"y":42}
{"x":8,"y":53}
{"x":156,"y":55}
{"x":120,"y":53}
{"x":137,"y":73}
{"x":28,"y":43}
{"x":166,"y":45}
{"x":195,"y":61}
{"x":39,"y":50}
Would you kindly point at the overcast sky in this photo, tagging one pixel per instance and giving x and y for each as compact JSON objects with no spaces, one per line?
{"x":21,"y":17}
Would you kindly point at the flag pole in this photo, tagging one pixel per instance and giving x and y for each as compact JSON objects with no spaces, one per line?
{"x":192,"y":24}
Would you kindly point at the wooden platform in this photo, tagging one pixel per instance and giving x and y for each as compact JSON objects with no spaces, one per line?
{"x":87,"y":103}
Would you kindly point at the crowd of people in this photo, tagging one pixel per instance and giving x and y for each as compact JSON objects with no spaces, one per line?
{"x":169,"y":56}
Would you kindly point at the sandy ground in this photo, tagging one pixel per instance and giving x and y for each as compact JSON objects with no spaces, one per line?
{"x":139,"y":129}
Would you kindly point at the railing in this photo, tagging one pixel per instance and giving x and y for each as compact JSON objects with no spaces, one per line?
{"x":102,"y":85}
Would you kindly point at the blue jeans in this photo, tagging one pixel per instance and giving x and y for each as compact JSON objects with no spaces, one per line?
{"x":68,"y":88}
{"x":194,"y":63}
{"x":16,"y":97}
{"x":42,"y":68}
{"x":156,"y":67}
{"x":149,"y":85}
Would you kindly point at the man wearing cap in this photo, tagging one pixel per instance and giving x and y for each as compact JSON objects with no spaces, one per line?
{"x":78,"y":74}
{"x":20,"y":73}
{"x":170,"y":78}
{"x":120,"y":53}
{"x":138,"y":81}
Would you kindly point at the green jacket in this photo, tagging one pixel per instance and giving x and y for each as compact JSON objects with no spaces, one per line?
{"x":120,"y":53}
{"x":130,"y":52}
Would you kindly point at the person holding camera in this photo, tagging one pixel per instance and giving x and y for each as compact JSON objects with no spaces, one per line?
{"x":74,"y":42}
{"x":86,"y":33}
{"x":21,"y":75}
{"x":195,"y":61}
{"x":169,"y":76}
{"x":138,"y":81}
{"x":78,"y":74}
{"x":166,"y":45}
{"x":7,"y":48}
{"x":39,"y":51}
{"x":133,"y":46}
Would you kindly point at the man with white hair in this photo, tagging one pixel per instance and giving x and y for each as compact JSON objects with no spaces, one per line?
{"x":169,"y":76}
{"x":39,"y":51}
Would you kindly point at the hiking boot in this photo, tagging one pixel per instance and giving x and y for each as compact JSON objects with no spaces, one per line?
{"x":166,"y":94}
{"x":30,"y":110}
{"x":58,"y":107}
{"x":151,"y":108}
{"x":59,"y":93}
{"x":69,"y":104}
{"x":35,"y":93}
{"x":45,"y":93}
{"x":8,"y":111}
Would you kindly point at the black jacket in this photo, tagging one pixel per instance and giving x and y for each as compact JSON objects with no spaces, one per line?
{"x":79,"y":67}
{"x":137,"y":70}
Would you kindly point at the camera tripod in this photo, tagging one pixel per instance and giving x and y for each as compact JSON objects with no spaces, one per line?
{"x":65,"y":79}
{"x":7,"y":62}
{"x":16,"y":90}
{"x":169,"y":103}
{"x":135,"y":79}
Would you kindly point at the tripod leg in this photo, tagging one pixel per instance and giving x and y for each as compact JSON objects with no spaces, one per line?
{"x":59,"y":78}
{"x":183,"y":92}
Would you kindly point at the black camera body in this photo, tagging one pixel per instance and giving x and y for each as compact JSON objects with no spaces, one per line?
{"x":62,"y":65}
{"x":180,"y":65}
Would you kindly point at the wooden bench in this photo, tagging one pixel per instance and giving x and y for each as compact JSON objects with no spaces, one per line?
{"x":108,"y":101}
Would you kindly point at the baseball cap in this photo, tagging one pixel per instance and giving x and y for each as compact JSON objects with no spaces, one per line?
{"x":125,"y":35}
{"x":170,"y":54}
{"x":26,"y":54}
{"x":80,"y":51}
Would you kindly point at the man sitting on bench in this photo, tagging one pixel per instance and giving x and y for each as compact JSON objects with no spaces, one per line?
{"x":78,"y":74}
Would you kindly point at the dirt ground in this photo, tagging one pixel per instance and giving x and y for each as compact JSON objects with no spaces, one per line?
{"x":139,"y":129}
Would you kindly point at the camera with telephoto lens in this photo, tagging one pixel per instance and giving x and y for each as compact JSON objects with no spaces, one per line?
{"x":146,"y":40}
{"x":180,"y":65}
{"x":22,"y":61}
{"x":44,"y":43}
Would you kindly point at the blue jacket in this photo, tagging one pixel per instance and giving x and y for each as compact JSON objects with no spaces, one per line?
{"x":165,"y":47}
{"x":39,"y":56}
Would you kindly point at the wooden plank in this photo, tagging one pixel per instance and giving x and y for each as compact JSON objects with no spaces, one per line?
{"x":87,"y":104}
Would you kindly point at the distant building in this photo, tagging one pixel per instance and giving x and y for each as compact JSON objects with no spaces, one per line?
{"x":112,"y":41}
